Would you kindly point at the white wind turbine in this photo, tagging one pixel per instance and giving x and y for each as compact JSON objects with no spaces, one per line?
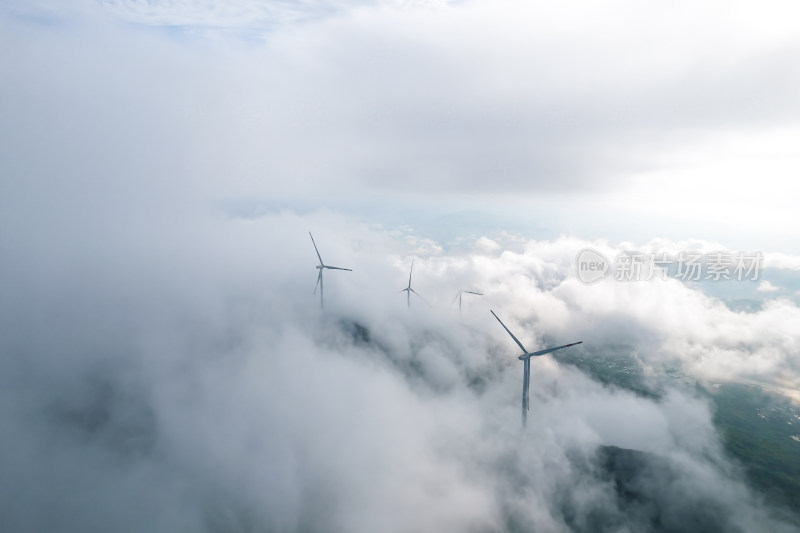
{"x":458,"y":297}
{"x":408,"y":290}
{"x":526,"y":358}
{"x":322,"y":266}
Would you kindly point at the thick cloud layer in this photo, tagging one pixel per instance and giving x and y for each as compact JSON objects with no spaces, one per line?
{"x":188,"y":381}
{"x":165,"y":366}
{"x":479,"y":96}
{"x":622,"y":121}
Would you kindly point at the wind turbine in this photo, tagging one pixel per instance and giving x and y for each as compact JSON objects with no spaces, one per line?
{"x":458,"y":297}
{"x":408,"y":290}
{"x":526,"y":358}
{"x":321,"y":267}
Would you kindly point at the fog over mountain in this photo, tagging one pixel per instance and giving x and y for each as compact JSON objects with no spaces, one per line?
{"x":165,"y":365}
{"x":189,"y":381}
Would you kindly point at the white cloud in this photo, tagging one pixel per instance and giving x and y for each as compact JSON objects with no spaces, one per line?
{"x":766,"y":286}
{"x":423,"y":100}
{"x":174,"y":360}
{"x":780,"y":260}
{"x":195,"y":350}
{"x":487,"y":246}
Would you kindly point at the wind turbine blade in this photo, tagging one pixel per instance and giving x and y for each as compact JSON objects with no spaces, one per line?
{"x":318,"y":280}
{"x":524,"y":351}
{"x":338,"y":268}
{"x":548,"y":350}
{"x":473,"y":292}
{"x":420,"y":297}
{"x":315,"y":248}
{"x":456,"y":298}
{"x":411,"y":272}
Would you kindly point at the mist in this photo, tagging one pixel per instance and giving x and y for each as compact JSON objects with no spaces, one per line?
{"x":186,"y":379}
{"x":165,"y":365}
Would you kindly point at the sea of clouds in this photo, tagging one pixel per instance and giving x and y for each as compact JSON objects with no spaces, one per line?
{"x":165,"y":365}
{"x":185,"y":379}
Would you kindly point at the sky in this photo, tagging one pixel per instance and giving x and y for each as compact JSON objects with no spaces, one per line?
{"x":165,"y":365}
{"x":678,"y":121}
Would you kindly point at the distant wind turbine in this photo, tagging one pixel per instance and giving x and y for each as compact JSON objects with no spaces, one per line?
{"x":322,"y":266}
{"x":526,"y":358}
{"x":408,"y":290}
{"x":458,"y":297}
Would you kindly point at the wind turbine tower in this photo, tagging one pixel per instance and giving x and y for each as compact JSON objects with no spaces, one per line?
{"x":526,"y":376}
